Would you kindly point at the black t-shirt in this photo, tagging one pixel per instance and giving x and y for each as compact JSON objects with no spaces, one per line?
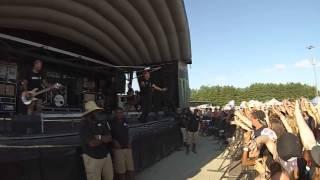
{"x":90,"y":128}
{"x":34,"y":80}
{"x":120,"y":132}
{"x":264,"y":150}
{"x":146,"y":88}
{"x":258,"y":132}
{"x":181,"y":119}
{"x":193,"y":123}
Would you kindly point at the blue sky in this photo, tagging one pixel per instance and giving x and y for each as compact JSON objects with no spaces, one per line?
{"x":240,"y":42}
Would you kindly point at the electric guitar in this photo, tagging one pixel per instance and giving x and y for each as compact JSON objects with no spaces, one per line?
{"x":27,"y":97}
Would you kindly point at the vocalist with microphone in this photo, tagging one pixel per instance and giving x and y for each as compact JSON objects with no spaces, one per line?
{"x":147,"y":86}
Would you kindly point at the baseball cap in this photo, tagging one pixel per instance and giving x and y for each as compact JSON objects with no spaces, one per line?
{"x":289,"y":146}
{"x":315,"y":154}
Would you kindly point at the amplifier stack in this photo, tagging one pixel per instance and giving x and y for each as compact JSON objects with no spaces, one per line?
{"x":8,"y":87}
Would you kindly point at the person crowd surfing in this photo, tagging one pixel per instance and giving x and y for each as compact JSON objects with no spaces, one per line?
{"x":281,"y":141}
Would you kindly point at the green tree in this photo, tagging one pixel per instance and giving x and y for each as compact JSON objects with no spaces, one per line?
{"x":220,"y":95}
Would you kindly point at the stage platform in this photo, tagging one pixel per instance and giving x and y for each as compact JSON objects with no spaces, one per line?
{"x":58,"y":155}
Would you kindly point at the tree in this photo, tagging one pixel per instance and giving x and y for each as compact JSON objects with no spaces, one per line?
{"x":221,"y":95}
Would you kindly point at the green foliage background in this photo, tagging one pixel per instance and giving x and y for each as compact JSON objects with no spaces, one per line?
{"x":221,"y":95}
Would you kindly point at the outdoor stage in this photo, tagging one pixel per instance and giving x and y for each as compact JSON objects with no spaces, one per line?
{"x":58,"y":155}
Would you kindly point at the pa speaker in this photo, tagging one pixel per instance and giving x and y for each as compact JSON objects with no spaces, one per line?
{"x":120,"y":83}
{"x":27,"y":124}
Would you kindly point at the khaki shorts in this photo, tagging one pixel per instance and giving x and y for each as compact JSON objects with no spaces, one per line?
{"x":184,"y":134}
{"x":123,"y":161}
{"x":192,"y":137}
{"x":98,"y":169}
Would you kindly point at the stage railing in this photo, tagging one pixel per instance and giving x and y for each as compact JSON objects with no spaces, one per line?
{"x":66,"y":117}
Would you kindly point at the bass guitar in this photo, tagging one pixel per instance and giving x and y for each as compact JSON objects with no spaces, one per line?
{"x":27,"y":97}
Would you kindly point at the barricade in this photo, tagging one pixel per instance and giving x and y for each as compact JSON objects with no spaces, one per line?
{"x":54,"y":157}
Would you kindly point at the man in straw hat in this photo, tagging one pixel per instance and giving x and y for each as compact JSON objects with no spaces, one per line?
{"x":96,"y":142}
{"x":147,"y":87}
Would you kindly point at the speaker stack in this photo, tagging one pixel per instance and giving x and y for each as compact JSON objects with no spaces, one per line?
{"x":8,"y":87}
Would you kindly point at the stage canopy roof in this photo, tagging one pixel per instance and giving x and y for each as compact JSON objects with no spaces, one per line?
{"x":121,"y":32}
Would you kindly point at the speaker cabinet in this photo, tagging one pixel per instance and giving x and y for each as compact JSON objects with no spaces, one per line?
{"x":121,"y":83}
{"x":27,"y":124}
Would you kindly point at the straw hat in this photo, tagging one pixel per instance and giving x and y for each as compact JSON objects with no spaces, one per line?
{"x":89,"y":107}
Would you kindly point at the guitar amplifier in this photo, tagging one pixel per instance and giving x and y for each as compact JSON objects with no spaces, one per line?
{"x":2,"y":89}
{"x":3,"y":72}
{"x":8,"y":71}
{"x":10,"y":90}
{"x":4,"y":107}
{"x":7,"y":104}
{"x":12,"y":73}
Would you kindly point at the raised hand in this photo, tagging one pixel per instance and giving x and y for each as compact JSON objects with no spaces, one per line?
{"x":283,"y":119}
{"x":247,"y":112}
{"x":312,"y":111}
{"x":307,"y":137}
{"x":289,"y":107}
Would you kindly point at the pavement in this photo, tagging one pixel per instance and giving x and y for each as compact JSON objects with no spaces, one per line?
{"x":208,"y":164}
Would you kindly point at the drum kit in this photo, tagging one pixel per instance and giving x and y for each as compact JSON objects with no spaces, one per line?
{"x":56,"y":98}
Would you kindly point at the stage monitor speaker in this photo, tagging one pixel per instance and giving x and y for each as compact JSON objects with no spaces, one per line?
{"x":27,"y":124}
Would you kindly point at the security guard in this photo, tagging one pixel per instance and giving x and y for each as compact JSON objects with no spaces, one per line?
{"x":96,"y":144}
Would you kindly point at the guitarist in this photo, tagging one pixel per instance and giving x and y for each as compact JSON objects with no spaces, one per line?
{"x":35,"y":79}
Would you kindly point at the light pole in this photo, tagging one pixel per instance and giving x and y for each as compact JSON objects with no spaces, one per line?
{"x":314,"y":65}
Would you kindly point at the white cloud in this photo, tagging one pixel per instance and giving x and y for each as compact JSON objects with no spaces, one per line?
{"x":280,"y":67}
{"x":220,"y":78}
{"x":305,"y":64}
{"x":276,"y":67}
{"x":302,"y":64}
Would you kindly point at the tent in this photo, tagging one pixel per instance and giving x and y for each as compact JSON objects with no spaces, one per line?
{"x":315,"y":101}
{"x":273,"y":102}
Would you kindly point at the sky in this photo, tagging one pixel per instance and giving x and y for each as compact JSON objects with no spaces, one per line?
{"x":240,"y":42}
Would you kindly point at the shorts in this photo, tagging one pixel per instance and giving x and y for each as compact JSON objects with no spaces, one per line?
{"x":97,"y":169}
{"x":122,"y":160}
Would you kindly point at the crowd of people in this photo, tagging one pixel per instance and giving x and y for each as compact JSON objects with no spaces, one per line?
{"x":281,"y":141}
{"x":278,"y":141}
{"x":204,"y":123}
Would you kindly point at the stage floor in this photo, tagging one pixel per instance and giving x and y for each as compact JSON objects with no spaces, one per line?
{"x":200,"y":166}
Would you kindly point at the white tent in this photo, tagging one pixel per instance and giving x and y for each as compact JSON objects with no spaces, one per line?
{"x":315,"y":101}
{"x":243,"y":104}
{"x":204,"y":106}
{"x":273,"y":102}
